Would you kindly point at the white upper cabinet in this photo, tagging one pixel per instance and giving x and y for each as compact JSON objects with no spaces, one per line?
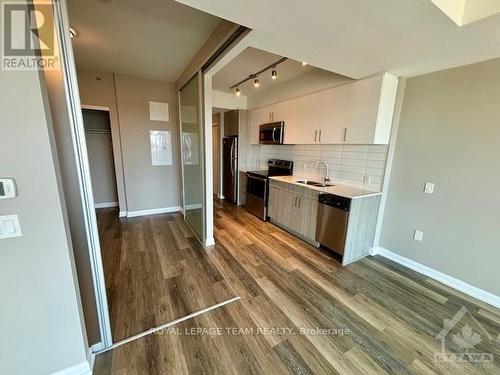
{"x":357,"y":113}
{"x":302,"y":118}
{"x":370,"y":107}
{"x":333,"y":104}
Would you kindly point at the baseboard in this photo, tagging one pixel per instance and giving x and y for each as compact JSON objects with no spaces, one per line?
{"x":82,"y":368}
{"x":193,"y":206}
{"x":209,"y":242}
{"x":448,"y":280}
{"x":122,"y":214}
{"x":106,"y":205}
{"x":91,"y":358}
{"x":153,"y":211}
{"x":97,"y":347}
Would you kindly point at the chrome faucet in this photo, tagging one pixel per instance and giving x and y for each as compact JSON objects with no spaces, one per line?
{"x":326,"y":178}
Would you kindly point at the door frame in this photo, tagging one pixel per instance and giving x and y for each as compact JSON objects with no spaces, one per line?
{"x":71,"y":91}
{"x":216,"y":155}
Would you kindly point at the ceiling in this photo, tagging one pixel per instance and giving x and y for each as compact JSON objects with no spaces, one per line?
{"x":250,"y":61}
{"x":358,"y":38}
{"x":153,"y":39}
{"x":467,"y":11}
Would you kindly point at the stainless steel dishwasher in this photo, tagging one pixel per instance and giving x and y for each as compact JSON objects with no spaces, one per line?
{"x":333,"y":217}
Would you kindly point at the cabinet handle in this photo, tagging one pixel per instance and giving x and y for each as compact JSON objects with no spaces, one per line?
{"x":320,"y":130}
{"x":315,"y":135}
{"x":299,"y":200}
{"x":295,"y":204}
{"x":345,"y":134}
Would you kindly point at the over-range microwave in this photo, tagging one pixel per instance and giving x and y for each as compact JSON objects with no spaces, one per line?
{"x":272,"y":133}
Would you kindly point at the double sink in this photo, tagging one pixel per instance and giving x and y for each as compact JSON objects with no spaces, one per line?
{"x":313,"y":183}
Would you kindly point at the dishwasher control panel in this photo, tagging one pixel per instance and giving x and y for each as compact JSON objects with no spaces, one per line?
{"x":341,"y":203}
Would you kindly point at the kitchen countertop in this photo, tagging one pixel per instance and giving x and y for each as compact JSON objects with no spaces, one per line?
{"x":340,"y":190}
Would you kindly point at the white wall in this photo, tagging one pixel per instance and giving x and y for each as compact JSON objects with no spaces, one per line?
{"x":40,"y":321}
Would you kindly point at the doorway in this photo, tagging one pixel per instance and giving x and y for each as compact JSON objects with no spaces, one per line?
{"x":145,"y":265}
{"x":97,"y":126}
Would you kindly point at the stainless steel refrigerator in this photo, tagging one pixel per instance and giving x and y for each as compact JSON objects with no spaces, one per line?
{"x":230,"y":168}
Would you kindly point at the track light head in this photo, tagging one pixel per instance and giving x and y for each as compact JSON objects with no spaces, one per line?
{"x":237,"y":92}
{"x":274,"y":73}
{"x":256,"y":82}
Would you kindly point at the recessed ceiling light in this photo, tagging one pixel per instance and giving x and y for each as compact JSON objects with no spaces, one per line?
{"x":304,"y":63}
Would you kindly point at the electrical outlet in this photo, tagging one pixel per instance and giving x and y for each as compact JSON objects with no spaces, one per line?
{"x":429,"y":188}
{"x":9,"y":227}
{"x":418,"y":235}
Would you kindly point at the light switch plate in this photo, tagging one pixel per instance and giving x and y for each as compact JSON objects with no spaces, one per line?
{"x":429,"y":188}
{"x":418,"y":235}
{"x":9,"y":226}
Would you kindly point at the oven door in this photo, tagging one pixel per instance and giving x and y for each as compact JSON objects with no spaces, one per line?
{"x":257,"y":196}
{"x":271,"y":133}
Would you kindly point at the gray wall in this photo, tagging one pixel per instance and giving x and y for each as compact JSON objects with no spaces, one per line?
{"x":98,"y":89}
{"x":147,"y":186}
{"x":100,"y":151}
{"x":40,"y":323}
{"x":449,"y":134}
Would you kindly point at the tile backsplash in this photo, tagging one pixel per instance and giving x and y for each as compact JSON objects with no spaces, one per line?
{"x":361,"y":166}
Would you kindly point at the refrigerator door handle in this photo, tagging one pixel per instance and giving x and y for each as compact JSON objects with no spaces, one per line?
{"x":232,"y":158}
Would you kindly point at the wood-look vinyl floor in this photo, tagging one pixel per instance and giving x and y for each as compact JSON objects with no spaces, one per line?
{"x":296,"y":303}
{"x":155,"y":272}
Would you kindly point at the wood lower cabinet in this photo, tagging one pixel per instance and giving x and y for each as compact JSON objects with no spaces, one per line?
{"x":294,"y":208}
{"x":281,"y":206}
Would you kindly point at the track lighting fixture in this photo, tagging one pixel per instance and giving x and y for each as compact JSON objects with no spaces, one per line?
{"x":255,"y":76}
{"x":304,"y":63}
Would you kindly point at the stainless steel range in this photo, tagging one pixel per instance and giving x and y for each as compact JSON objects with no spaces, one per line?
{"x":258,"y":185}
